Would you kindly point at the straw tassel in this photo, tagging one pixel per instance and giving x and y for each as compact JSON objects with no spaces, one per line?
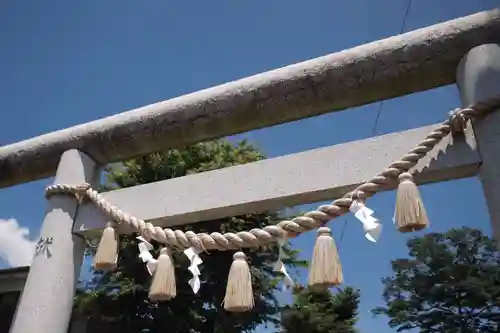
{"x":163,"y":286}
{"x":326,"y":270}
{"x":410,"y":214}
{"x":239,"y":294}
{"x":106,"y":256}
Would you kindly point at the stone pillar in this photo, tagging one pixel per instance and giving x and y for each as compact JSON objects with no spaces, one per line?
{"x":478,"y":79}
{"x":47,"y":299}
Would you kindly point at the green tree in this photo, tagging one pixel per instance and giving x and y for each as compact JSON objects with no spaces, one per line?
{"x":451,"y":283}
{"x":118,"y":302}
{"x":320,"y":311}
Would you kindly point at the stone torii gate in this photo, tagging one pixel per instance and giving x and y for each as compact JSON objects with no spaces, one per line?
{"x":464,"y":50}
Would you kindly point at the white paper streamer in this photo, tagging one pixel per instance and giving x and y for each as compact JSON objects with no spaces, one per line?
{"x":193,"y":255}
{"x":371,"y":226}
{"x":279,"y":266}
{"x":146,"y":256}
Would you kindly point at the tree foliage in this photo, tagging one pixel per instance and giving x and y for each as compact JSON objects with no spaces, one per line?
{"x":118,"y":302}
{"x":319,"y":311}
{"x":450,"y":283}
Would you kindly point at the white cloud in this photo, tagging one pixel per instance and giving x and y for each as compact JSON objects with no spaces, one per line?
{"x":15,"y":246}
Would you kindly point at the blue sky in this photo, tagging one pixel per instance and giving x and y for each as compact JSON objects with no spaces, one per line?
{"x":67,"y":62}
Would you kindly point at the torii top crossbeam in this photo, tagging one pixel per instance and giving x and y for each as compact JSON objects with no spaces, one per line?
{"x":415,"y":61}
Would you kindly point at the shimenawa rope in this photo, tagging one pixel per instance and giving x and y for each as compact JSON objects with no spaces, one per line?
{"x":288,"y":228}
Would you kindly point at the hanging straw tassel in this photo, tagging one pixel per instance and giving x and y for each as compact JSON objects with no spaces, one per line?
{"x":163,"y":285}
{"x":106,"y":256}
{"x":410,"y":214}
{"x":326,"y":270}
{"x":239,"y":294}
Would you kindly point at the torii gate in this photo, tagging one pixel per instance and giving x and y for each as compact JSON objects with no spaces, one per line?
{"x":463,"y":50}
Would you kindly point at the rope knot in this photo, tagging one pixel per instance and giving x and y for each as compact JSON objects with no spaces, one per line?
{"x":82,"y":188}
{"x":458,"y":120}
{"x":81,"y":192}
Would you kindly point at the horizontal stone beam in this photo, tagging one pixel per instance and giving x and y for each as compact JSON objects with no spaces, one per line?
{"x":306,"y":177}
{"x":415,"y":61}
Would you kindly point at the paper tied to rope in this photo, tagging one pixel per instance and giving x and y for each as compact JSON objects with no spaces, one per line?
{"x":42,"y":246}
{"x":146,"y":256}
{"x":279,"y":266}
{"x":193,"y":255}
{"x":371,"y":226}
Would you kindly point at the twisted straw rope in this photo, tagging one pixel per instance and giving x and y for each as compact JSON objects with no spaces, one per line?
{"x":309,"y":221}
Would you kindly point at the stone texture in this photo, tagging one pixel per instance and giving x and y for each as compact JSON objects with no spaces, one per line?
{"x":47,"y":299}
{"x":478,"y":79}
{"x":415,"y":61}
{"x":310,"y":176}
